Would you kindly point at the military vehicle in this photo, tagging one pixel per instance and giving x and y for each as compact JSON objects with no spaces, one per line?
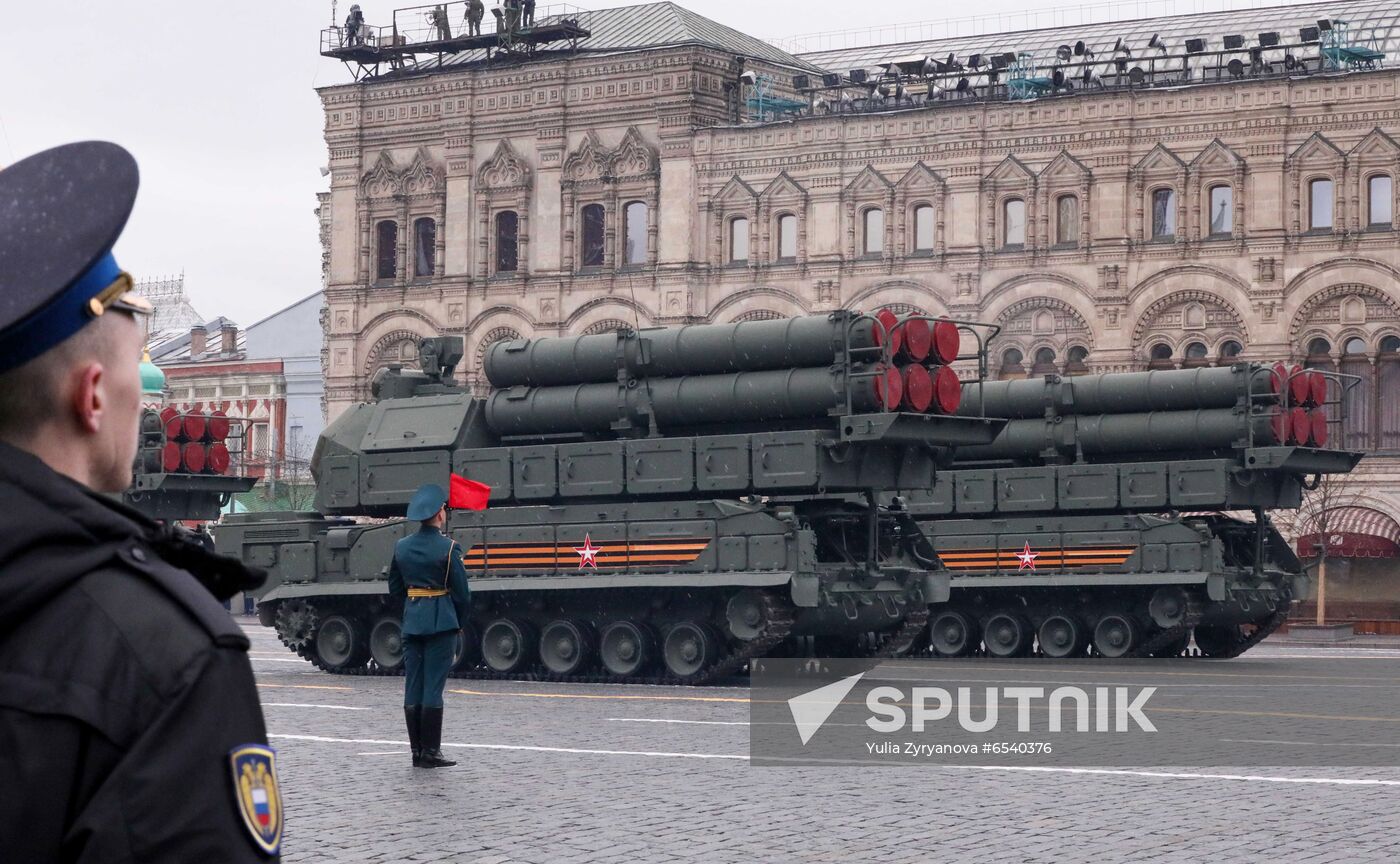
{"x":664,"y":504}
{"x":182,"y":465}
{"x":1108,"y":517}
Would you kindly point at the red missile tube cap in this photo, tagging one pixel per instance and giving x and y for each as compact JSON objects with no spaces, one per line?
{"x":170,"y":417}
{"x":918,"y":387}
{"x":170,"y":457}
{"x":193,"y":456}
{"x":886,"y":331}
{"x":1317,"y":388}
{"x":217,"y":459}
{"x":1317,"y":428}
{"x":917,"y":338}
{"x":195,"y":426}
{"x":889,"y":388}
{"x":218,"y":426}
{"x":947,"y":342}
{"x":1299,"y":387}
{"x":947,"y":390}
{"x":1299,"y":426}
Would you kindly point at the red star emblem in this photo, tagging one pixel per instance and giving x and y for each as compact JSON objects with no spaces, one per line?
{"x":1027,"y":558}
{"x":587,"y":553}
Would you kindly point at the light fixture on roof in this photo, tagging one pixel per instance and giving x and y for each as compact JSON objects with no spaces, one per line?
{"x":974,"y":61}
{"x":1234,"y":42}
{"x":1324,"y":24}
{"x":1136,"y":76}
{"x":801,"y":82}
{"x":1236,"y":68}
{"x":831,"y":79}
{"x":1121,"y":49}
{"x":1269,"y":39}
{"x":952,"y":63}
{"x":857,"y":76}
{"x":999,"y":62}
{"x":964,"y":85}
{"x":749,"y":77}
{"x":1156,"y":42}
{"x":1083,"y":50}
{"x":1307,"y":34}
{"x":1063,"y":53}
{"x":1195,"y":46}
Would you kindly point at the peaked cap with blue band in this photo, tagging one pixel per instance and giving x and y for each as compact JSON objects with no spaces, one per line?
{"x":426,"y":502}
{"x":61,"y":211}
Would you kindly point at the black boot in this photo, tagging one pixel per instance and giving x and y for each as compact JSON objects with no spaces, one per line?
{"x":432,"y":738}
{"x":413,"y":716}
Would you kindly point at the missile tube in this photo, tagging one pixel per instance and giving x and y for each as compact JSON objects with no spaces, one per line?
{"x":1118,"y":392}
{"x":1142,"y":432}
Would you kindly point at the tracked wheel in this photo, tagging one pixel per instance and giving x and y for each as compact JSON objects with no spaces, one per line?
{"x":1175,"y":648}
{"x":295,"y":621}
{"x":466,"y":653}
{"x":689,"y":649}
{"x":1061,"y":636}
{"x":746,"y":615}
{"x":952,"y":634}
{"x":1115,"y":635}
{"x":626,"y":648}
{"x":507,"y":645}
{"x":386,"y":644}
{"x":1006,"y":634}
{"x":340,"y":644}
{"x":1218,"y":640}
{"x":566,"y":647}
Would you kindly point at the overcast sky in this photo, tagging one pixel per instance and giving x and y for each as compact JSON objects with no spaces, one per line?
{"x":217,"y":102}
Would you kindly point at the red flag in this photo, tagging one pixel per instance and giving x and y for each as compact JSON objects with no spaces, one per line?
{"x":467,"y":494}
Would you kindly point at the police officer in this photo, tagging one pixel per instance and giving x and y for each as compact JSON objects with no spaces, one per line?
{"x":476,"y":10}
{"x":130,"y":728}
{"x":428,"y":576}
{"x":354,"y":24}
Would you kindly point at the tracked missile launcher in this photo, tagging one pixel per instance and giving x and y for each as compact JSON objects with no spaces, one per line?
{"x":664,"y":504}
{"x":1116,"y":514}
{"x":182,"y":469}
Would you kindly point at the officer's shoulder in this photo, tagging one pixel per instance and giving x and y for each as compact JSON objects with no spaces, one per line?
{"x":143,"y":594}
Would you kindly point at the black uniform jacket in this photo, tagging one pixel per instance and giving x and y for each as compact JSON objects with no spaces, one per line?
{"x":124,"y":684}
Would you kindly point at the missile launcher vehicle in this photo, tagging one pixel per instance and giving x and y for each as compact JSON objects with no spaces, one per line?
{"x":664,"y":504}
{"x":1108,"y":517}
{"x":182,"y":469}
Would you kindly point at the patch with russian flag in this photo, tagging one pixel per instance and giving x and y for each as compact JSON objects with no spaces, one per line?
{"x":255,"y":790}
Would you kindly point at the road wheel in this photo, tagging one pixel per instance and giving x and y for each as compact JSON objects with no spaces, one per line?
{"x":507,"y":645}
{"x":689,"y":649}
{"x":626,"y":649}
{"x":952,"y":634}
{"x":1115,"y":635}
{"x":466,"y":653}
{"x":1006,"y":635}
{"x":340,"y":644}
{"x":386,"y":644}
{"x":566,"y":647}
{"x":1061,"y":636}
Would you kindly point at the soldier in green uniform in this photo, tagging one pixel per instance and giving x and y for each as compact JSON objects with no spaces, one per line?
{"x":428,"y":576}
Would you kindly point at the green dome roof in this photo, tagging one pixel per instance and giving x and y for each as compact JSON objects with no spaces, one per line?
{"x":152,"y":379}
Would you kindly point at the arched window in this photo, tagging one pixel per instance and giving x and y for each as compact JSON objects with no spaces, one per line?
{"x":1358,"y":402}
{"x":873,"y":238}
{"x":1388,"y":382}
{"x":591,"y":252}
{"x":424,"y":247}
{"x":1011,"y":367}
{"x":635,"y":214}
{"x":1196,"y":354}
{"x":1160,"y":357}
{"x":1380,"y":200}
{"x":1222,"y":211}
{"x":1044,"y":362}
{"x":923,"y":228}
{"x":1230,"y":349}
{"x":1013,"y":223}
{"x":1163,"y":214}
{"x":1390,"y":345}
{"x":1320,"y":205}
{"x":1066,"y":220}
{"x":507,"y":241}
{"x":738,"y":240}
{"x":1077,"y":364}
{"x":1353,"y":346}
{"x":787,"y":237}
{"x":386,"y":254}
{"x":1320,"y":349}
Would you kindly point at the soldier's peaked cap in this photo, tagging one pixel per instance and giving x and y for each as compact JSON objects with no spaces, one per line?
{"x":426,"y":502}
{"x":61,"y":211}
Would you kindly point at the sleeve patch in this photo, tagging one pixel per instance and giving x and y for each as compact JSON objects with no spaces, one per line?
{"x":254,"y":775}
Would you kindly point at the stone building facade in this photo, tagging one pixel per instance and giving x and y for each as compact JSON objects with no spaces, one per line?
{"x":1111,"y":230}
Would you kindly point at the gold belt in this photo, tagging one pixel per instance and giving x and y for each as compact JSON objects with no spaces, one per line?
{"x":427,"y":592}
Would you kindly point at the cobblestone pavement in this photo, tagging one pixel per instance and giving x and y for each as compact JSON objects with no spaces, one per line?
{"x":573,"y":773}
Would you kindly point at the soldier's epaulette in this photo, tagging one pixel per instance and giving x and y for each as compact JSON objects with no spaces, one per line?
{"x":187,"y":591}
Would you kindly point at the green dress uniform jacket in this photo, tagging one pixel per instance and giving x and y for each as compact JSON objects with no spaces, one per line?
{"x":430,"y":562}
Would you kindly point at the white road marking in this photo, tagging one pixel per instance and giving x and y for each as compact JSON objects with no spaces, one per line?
{"x":668,"y":720}
{"x":312,"y":705}
{"x":279,"y":660}
{"x":585,"y":751}
{"x":1111,"y":772}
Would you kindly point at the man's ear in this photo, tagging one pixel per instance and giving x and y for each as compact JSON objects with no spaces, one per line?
{"x":88,"y":398}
